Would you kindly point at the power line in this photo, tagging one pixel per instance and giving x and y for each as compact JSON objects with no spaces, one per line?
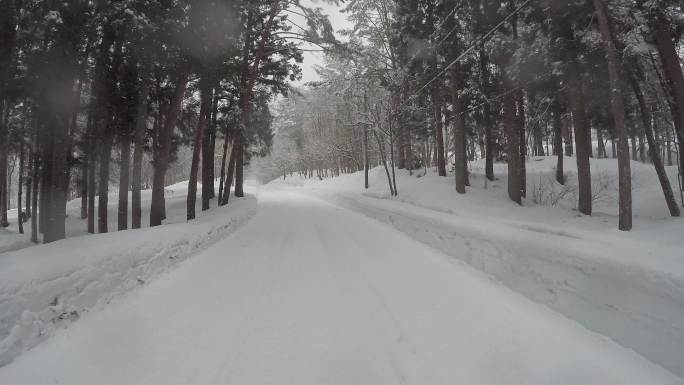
{"x":474,"y":44}
{"x":447,"y":18}
{"x":501,"y":95}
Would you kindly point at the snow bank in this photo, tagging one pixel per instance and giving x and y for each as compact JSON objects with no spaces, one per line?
{"x":628,"y":286}
{"x":547,"y":202}
{"x":47,"y":286}
{"x":307,"y":293}
{"x":175,"y":196}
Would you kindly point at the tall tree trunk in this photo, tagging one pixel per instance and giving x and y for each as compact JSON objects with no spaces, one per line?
{"x":92,"y":166}
{"x":538,"y":139}
{"x":20,"y":186}
{"x":486,"y":115}
{"x":212,"y":142}
{"x":4,"y":150}
{"x":408,"y":153}
{"x":522,"y":141}
{"x":34,"y":199}
{"x":558,"y":140}
{"x":512,"y":143}
{"x":230,"y":174}
{"x":85,"y":160}
{"x":668,"y":135}
{"x":384,"y":162}
{"x":47,"y":176}
{"x":680,"y":140}
{"x":366,"y":165}
{"x":445,"y":132}
{"x":205,"y":108}
{"x":575,"y":97}
{"x":401,"y":146}
{"x":103,"y":182}
{"x":672,"y":69}
{"x":567,"y":134}
{"x":459,"y":135}
{"x":45,"y":179}
{"x":28,"y":181}
{"x":58,"y":169}
{"x":239,"y":166}
{"x":394,"y":129}
{"x":634,"y":146}
{"x":647,"y":121}
{"x":108,"y":136}
{"x":364,"y":139}
{"x":247,"y":90}
{"x":100,"y":98}
{"x":91,"y":163}
{"x":223,"y":169}
{"x":207,"y":143}
{"x":618,"y":108}
{"x":8,"y":31}
{"x":439,"y":133}
{"x":601,"y":149}
{"x":124,"y":181}
{"x":138,"y":148}
{"x":392,"y":165}
{"x":163,"y":150}
{"x":83,"y":184}
{"x":590,"y":145}
{"x":582,"y":157}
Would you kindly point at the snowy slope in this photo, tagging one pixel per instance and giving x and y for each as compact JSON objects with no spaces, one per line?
{"x":628,"y":286}
{"x":46,"y":286}
{"x":489,"y":199}
{"x":308,"y":293}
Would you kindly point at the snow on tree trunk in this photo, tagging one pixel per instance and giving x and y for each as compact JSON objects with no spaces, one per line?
{"x":459,"y":135}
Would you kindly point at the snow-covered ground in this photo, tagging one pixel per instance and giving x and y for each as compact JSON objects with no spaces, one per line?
{"x":329,"y":283}
{"x":45,"y":287}
{"x":175,"y":194}
{"x":628,"y":286}
{"x":310,"y":293}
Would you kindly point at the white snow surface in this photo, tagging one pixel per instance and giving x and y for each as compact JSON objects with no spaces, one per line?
{"x":307,"y":292}
{"x":175,"y":195}
{"x":329,"y":283}
{"x":628,"y":286}
{"x":45,"y":287}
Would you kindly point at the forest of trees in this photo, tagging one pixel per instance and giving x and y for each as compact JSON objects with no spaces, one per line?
{"x":91,"y":92}
{"x":441,"y":83}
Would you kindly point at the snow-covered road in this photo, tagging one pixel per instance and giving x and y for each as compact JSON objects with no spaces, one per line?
{"x":310,"y":293}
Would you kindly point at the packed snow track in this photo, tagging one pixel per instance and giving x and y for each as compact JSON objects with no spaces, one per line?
{"x":310,"y":293}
